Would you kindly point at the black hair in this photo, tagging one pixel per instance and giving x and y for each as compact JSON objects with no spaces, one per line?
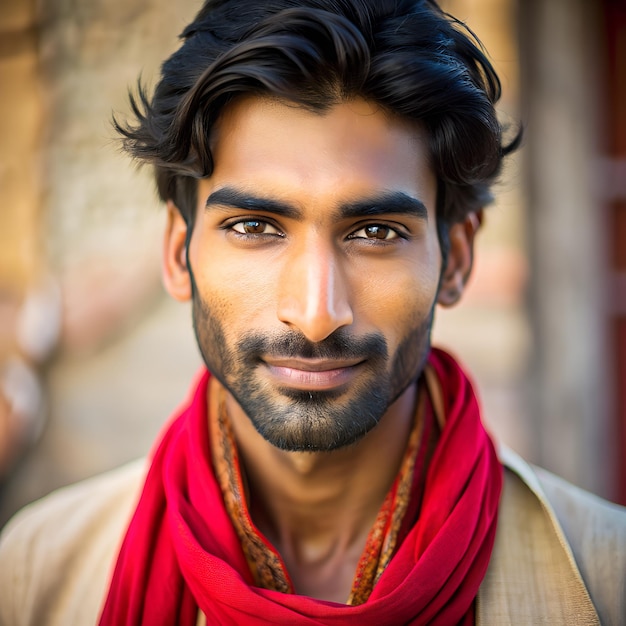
{"x":408,"y":56}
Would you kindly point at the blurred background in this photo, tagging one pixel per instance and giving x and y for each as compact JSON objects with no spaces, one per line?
{"x":93,"y":355}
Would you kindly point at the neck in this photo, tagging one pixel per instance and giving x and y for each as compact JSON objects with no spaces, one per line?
{"x":317,"y":508}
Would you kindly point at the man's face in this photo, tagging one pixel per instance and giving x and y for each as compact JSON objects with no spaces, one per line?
{"x":315,"y":263}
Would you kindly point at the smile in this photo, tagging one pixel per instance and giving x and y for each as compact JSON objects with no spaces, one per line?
{"x":312,"y":374}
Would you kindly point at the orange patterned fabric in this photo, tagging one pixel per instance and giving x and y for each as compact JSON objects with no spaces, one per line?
{"x":264,"y":562}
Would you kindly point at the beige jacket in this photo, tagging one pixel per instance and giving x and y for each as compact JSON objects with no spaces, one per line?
{"x":559,"y":558}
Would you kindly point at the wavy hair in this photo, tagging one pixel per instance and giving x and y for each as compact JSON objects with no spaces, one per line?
{"x":408,"y":56}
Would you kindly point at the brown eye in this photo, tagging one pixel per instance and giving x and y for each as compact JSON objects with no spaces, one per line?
{"x":375,"y":231}
{"x":254,"y":227}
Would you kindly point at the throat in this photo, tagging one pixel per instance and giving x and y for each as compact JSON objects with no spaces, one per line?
{"x":324,"y":573}
{"x":318,"y":547}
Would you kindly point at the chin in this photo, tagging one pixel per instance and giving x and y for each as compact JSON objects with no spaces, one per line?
{"x":314,"y":424}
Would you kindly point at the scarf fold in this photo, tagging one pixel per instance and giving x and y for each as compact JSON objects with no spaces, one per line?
{"x":181,"y":553}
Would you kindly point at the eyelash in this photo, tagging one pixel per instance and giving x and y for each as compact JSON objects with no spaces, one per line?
{"x":230,"y":226}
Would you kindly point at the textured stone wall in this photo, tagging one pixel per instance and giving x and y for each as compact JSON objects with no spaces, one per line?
{"x":102,"y":219}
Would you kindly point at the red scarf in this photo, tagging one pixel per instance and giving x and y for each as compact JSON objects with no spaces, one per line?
{"x":181,"y":552}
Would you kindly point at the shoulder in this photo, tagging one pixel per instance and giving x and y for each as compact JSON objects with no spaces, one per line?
{"x":559,"y":550}
{"x":56,"y":555}
{"x":595,"y":529}
{"x":596,"y":533}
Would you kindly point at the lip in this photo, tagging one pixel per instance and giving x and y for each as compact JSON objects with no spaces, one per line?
{"x":312,"y":374}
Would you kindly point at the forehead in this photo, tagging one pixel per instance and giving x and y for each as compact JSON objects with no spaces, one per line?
{"x":353,"y":149}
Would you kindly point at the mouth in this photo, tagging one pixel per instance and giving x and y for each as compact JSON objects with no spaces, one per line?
{"x":312,"y":374}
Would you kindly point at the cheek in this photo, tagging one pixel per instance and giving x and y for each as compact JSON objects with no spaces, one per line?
{"x":236,"y":290}
{"x":400,"y":297}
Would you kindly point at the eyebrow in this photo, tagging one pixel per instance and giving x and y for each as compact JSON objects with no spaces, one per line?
{"x":231,"y":197}
{"x":385,"y":203}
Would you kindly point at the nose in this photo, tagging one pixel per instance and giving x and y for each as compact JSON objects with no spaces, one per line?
{"x":314,"y":295}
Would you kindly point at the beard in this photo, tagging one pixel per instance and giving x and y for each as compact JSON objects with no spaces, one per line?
{"x":299,"y":420}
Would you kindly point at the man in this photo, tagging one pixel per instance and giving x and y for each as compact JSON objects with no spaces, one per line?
{"x":324,"y":165}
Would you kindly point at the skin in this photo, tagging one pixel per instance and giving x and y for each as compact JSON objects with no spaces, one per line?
{"x":314,"y":315}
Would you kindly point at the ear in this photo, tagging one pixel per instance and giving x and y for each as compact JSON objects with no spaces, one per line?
{"x":176,"y":276}
{"x":460,"y":259}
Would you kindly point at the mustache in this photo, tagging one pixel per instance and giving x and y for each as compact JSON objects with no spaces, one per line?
{"x":294,"y":345}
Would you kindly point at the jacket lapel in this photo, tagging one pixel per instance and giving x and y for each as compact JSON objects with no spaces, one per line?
{"x":532,"y":576}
